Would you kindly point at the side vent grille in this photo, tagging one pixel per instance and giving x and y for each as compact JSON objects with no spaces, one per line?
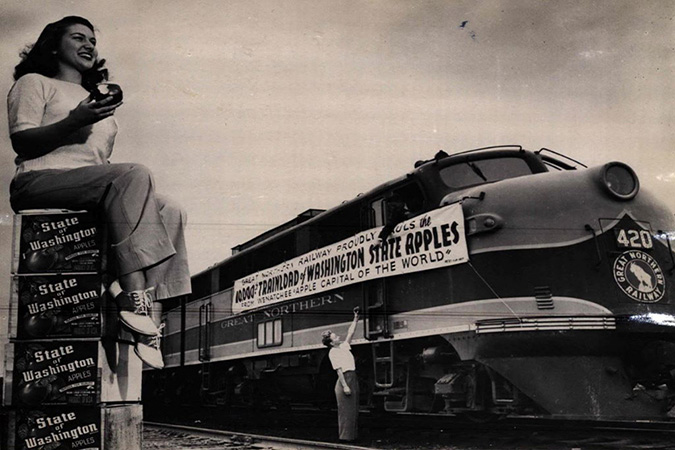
{"x":544,"y":297}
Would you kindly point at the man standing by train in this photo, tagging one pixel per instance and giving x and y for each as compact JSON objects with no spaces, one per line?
{"x":347,"y":386}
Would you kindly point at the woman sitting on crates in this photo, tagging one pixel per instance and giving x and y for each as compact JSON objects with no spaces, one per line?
{"x":63,"y":138}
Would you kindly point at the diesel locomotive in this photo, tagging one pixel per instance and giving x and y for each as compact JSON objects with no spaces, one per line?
{"x":496,"y":281}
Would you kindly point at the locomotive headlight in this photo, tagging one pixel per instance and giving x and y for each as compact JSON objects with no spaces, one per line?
{"x":620,"y":180}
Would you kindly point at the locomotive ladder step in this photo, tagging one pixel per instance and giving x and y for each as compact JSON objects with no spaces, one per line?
{"x":383,"y":364}
{"x":391,"y":392}
{"x":375,"y":333}
{"x":206,"y":377}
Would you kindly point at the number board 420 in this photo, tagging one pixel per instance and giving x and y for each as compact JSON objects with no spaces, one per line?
{"x":633,"y":238}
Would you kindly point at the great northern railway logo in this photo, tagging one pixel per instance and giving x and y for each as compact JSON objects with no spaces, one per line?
{"x":639,"y":276}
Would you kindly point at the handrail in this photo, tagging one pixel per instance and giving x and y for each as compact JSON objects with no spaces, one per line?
{"x":544,"y":149}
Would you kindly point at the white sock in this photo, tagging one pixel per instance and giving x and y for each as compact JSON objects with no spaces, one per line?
{"x":115,"y":289}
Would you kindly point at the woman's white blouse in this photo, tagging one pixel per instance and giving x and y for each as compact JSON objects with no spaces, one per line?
{"x":35,"y":100}
{"x":341,"y":357}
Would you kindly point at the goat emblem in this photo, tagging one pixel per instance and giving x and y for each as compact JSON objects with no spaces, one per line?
{"x":639,"y":276}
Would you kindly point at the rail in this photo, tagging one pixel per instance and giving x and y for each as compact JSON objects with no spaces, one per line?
{"x":236,"y":440}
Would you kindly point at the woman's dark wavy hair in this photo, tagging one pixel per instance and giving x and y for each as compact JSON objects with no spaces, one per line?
{"x":40,"y":57}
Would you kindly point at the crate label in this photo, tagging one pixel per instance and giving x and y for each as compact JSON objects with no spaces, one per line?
{"x":58,"y":428}
{"x":59,"y":306}
{"x":55,"y":373}
{"x":56,"y":243}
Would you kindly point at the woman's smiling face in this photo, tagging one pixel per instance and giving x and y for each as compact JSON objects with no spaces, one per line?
{"x":77,"y":49}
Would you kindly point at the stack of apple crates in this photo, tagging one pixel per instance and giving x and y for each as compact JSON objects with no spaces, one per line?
{"x":72,"y":380}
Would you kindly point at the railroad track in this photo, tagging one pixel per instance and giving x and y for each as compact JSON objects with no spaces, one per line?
{"x":423,"y":431}
{"x":161,"y":436}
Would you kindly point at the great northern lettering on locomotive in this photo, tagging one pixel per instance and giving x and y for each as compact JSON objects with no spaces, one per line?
{"x":496,"y":281}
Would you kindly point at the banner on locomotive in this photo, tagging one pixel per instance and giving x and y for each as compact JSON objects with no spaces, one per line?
{"x":429,"y":241}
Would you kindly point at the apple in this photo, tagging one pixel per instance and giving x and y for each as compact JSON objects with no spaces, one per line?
{"x":34,"y":393}
{"x":39,"y":325}
{"x":104,"y":90}
{"x":41,"y":260}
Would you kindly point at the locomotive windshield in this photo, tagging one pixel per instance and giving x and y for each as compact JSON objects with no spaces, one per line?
{"x":471,"y":173}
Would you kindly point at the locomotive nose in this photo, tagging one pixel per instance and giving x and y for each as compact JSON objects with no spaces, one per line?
{"x":619,"y":180}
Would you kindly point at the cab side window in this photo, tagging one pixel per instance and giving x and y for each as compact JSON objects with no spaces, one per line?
{"x":411,"y":196}
{"x":393,"y":207}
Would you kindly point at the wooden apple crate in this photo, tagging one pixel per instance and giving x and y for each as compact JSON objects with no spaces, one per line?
{"x":105,"y":427}
{"x":71,"y":372}
{"x":58,"y":241}
{"x":63,"y":306}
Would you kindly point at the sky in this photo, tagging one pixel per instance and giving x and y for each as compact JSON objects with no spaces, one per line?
{"x":250,"y":112}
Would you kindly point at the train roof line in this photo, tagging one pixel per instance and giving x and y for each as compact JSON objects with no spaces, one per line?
{"x":297,"y":220}
{"x":442,"y":154}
